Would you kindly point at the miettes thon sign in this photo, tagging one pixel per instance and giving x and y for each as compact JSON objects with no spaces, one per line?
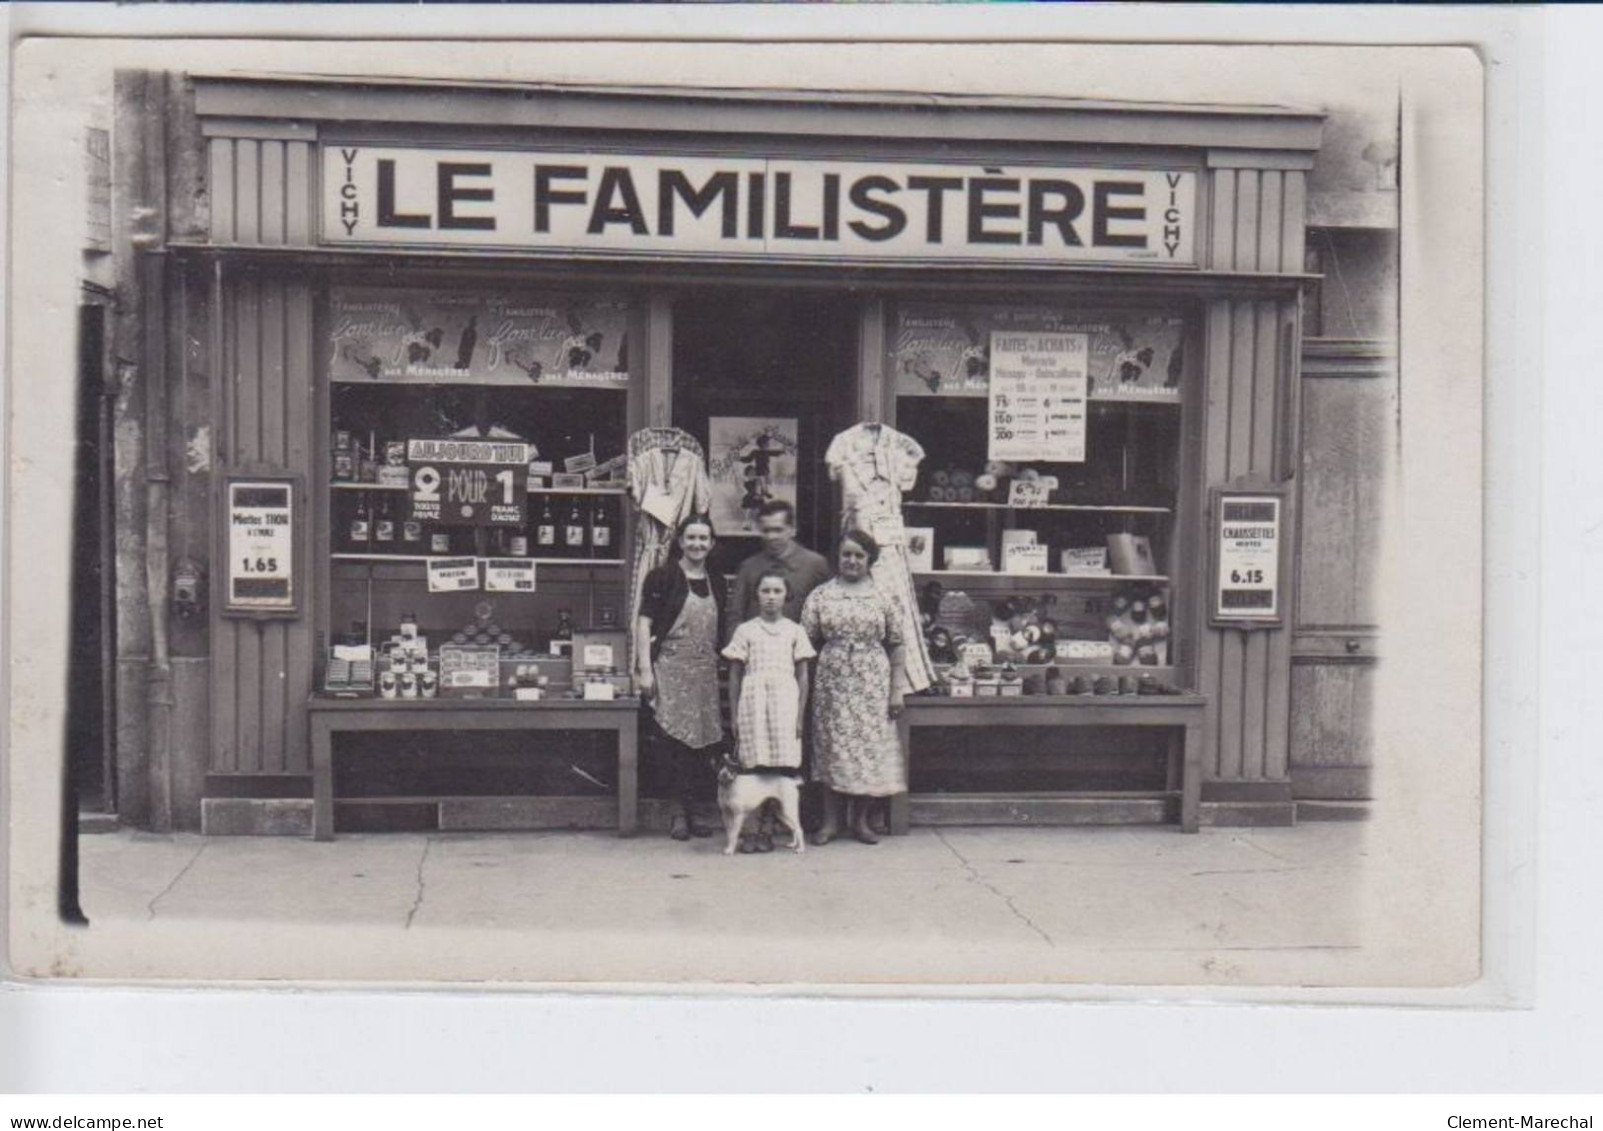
{"x":756,"y":207}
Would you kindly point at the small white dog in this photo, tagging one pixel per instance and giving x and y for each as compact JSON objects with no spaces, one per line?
{"x":740,"y":794}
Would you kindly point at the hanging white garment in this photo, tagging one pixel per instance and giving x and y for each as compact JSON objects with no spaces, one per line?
{"x":668,"y":483}
{"x":874,"y":465}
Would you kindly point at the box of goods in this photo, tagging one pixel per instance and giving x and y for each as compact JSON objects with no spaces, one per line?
{"x":1087,"y":561}
{"x":967,"y":559}
{"x":470,"y":671}
{"x":599,"y":651}
{"x":1130,"y":555}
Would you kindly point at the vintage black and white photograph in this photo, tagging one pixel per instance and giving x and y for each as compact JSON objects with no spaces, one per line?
{"x":698,"y":514}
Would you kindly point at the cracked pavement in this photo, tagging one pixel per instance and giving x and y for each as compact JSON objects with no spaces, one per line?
{"x":1004,"y":904}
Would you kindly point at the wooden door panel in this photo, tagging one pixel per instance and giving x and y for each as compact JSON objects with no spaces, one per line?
{"x":1347,"y":412}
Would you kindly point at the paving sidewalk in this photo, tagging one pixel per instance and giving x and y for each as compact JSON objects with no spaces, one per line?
{"x":977,"y":904}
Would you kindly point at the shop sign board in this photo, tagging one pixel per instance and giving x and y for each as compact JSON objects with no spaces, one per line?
{"x":453,"y":575}
{"x":756,"y":207}
{"x":398,"y":335}
{"x":1037,"y":397}
{"x":1248,"y":558}
{"x":260,"y":524}
{"x":459,"y":482}
{"x":509,"y":575}
{"x":944,"y":349}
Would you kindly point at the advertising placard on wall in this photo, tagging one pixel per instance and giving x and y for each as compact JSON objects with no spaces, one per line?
{"x":1248,"y":550}
{"x":260,"y":523}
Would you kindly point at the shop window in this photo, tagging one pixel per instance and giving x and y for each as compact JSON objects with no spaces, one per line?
{"x":1041,"y":525}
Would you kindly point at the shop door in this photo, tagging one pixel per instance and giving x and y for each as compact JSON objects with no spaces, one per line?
{"x":756,"y":375}
{"x":1348,"y":410}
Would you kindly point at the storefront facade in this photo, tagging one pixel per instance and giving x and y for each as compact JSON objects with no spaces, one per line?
{"x":349,"y":284}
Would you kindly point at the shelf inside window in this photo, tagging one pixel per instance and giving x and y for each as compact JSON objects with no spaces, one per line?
{"x":1086,"y":507}
{"x":349,"y":486}
{"x":1091,"y":578}
{"x":404,"y":559}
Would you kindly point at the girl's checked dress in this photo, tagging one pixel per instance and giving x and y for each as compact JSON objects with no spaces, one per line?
{"x":770,"y":697}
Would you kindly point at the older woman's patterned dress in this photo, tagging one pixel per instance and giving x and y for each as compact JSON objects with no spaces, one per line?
{"x":855,"y":746}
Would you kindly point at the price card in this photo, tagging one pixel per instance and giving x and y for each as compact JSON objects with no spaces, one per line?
{"x":1026,"y":558}
{"x":974,"y":655}
{"x":509,"y":575}
{"x":1037,"y":395}
{"x":597,"y":656}
{"x":1028,"y":493}
{"x":453,"y":575}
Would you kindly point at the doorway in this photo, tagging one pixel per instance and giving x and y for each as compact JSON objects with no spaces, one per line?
{"x":756,"y":374}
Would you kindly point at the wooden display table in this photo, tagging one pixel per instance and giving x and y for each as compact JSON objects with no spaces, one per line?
{"x":1184,"y":713}
{"x":329,"y":716}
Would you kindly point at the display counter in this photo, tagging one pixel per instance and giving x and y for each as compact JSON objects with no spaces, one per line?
{"x":331,"y":716}
{"x":1181,"y":714}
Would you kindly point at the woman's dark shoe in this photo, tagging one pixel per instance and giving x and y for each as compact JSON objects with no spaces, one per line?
{"x":765,"y":841}
{"x":865,"y":834}
{"x":679,"y":830}
{"x":747,"y":844}
{"x":699,"y":830}
{"x":824,"y":835}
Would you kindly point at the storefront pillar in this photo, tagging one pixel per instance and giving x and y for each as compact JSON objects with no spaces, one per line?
{"x":1249,"y":434}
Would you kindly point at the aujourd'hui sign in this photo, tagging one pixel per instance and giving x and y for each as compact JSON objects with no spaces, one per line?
{"x":706,"y":206}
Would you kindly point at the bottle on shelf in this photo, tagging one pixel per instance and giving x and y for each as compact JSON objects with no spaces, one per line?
{"x":360,"y":529}
{"x":545,"y":530}
{"x":601,"y":542}
{"x":384,"y":528}
{"x":573,"y":532}
{"x":441,"y":542}
{"x":517,"y":542}
{"x":564,"y":629}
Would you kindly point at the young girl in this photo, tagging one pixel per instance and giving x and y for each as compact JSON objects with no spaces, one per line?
{"x":768,"y":683}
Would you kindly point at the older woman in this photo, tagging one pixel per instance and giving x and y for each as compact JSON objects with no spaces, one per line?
{"x":676,"y":634}
{"x":856,"y":629}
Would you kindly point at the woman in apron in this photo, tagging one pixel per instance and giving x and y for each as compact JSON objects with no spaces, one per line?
{"x":676,"y":666}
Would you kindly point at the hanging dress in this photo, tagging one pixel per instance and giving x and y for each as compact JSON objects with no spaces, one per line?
{"x":874,"y":464}
{"x":668,"y":483}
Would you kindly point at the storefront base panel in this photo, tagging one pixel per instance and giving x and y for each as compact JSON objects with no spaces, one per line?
{"x":1332,"y":811}
{"x":1248,"y":814}
{"x":1042,"y":810}
{"x":262,"y":816}
{"x":238,"y":816}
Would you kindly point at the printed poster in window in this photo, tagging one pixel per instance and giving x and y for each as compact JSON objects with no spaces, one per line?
{"x":477,"y":338}
{"x":750,"y":460}
{"x":944,"y":350}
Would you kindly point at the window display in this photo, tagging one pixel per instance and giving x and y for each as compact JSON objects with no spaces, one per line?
{"x":1046,"y":503}
{"x":476,"y":449}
